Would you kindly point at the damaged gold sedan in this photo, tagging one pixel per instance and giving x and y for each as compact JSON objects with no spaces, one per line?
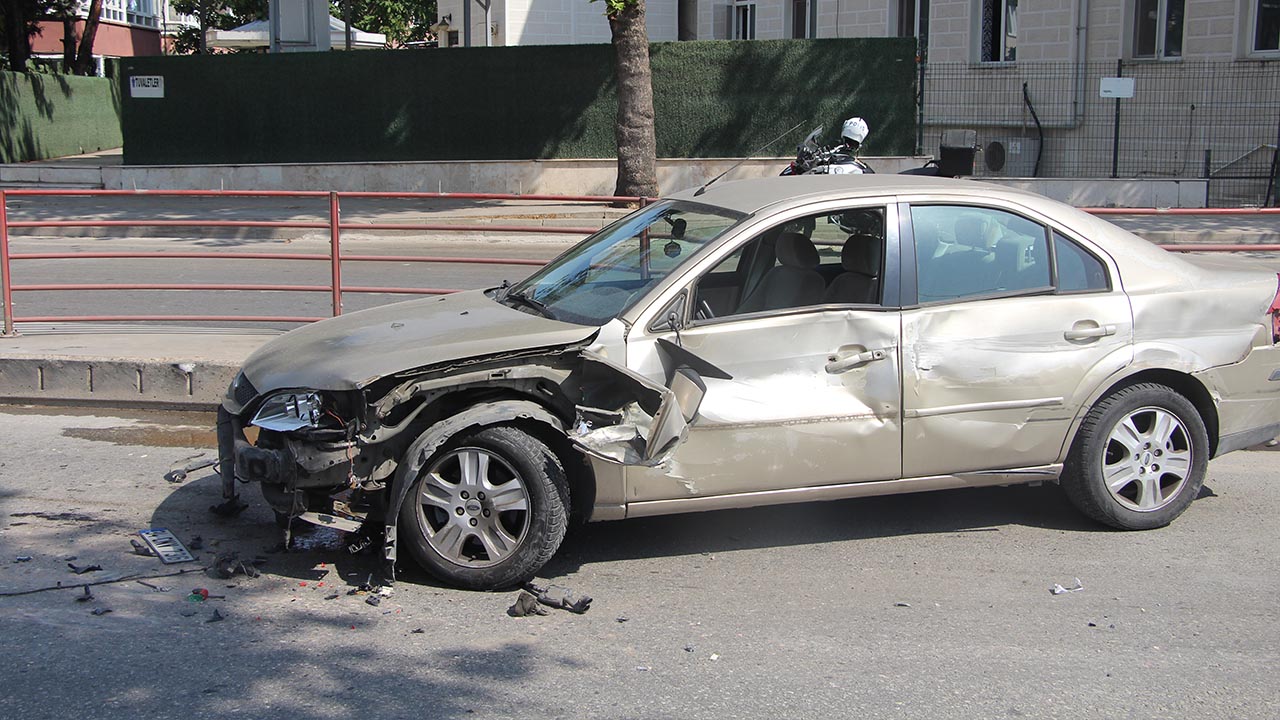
{"x":766,"y":341}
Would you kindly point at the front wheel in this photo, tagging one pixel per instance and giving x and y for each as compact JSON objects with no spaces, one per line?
{"x":488,"y":510}
{"x":1139,"y":458}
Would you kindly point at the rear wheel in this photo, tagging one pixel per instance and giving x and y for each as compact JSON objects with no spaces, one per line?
{"x":487,"y":511}
{"x":1139,"y":458}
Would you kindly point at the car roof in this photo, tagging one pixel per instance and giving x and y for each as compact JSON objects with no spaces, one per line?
{"x":750,"y":196}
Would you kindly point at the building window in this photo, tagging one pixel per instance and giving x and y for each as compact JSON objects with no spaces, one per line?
{"x":1266,"y":26}
{"x":907,"y":18}
{"x":744,"y":20}
{"x":453,"y":38}
{"x":999,"y":30}
{"x":1157,"y":28}
{"x":801,"y":23}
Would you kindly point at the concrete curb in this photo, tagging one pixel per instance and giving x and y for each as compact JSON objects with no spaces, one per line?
{"x":154,"y":369}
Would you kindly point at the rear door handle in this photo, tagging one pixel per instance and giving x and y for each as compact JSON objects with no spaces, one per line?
{"x":838,"y":365}
{"x":1089,"y":330}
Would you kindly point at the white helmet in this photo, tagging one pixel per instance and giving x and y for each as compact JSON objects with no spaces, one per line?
{"x":854,"y":131}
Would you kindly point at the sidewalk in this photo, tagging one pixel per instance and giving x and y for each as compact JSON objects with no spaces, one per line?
{"x":123,"y":365}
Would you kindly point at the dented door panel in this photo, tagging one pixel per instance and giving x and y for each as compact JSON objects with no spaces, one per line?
{"x":997,"y":383}
{"x":782,"y":421}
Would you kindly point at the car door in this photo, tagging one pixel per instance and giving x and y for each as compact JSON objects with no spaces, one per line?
{"x":1016,"y":323}
{"x":809,"y":388}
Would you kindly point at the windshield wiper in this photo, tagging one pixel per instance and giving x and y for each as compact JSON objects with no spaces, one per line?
{"x":524,"y":299}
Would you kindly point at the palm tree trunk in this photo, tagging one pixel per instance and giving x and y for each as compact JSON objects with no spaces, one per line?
{"x":633,"y":130}
{"x":84,"y":57}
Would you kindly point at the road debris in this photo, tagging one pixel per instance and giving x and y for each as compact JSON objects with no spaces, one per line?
{"x":557,"y":596}
{"x":166,"y":546}
{"x":141,"y":549}
{"x":902,"y":604}
{"x":526,"y":604}
{"x":82,"y":569}
{"x":373,"y":600}
{"x":100,"y":611}
{"x":67,"y":516}
{"x":154,"y":588}
{"x":22,"y":559}
{"x":229,"y":564}
{"x":86,"y":597}
{"x":178,"y":475}
{"x":230,"y":508}
{"x":216,"y":617}
{"x":1059,"y":590}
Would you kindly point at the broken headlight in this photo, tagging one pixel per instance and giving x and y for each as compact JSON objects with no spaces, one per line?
{"x":287,"y":411}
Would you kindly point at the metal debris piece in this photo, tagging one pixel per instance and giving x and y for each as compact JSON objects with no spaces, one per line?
{"x":418,"y":631}
{"x":22,"y":558}
{"x":902,"y":604}
{"x":622,"y":618}
{"x":179,"y":474}
{"x":82,"y":569}
{"x":216,"y":617}
{"x":166,"y":546}
{"x":373,"y":600}
{"x":154,"y":588}
{"x":100,"y":611}
{"x":1059,"y":590}
{"x":86,"y":597}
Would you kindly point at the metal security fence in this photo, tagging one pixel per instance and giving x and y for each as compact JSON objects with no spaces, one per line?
{"x":1218,"y":121}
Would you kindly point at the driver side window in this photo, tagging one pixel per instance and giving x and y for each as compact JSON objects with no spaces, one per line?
{"x":829,"y":258}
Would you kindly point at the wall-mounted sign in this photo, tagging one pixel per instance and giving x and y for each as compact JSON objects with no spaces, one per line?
{"x":146,"y":86}
{"x":1116,"y":87}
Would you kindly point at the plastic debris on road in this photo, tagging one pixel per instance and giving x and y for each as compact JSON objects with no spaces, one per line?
{"x":1059,"y":590}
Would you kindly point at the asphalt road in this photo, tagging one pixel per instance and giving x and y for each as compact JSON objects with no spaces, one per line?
{"x":927,"y":606}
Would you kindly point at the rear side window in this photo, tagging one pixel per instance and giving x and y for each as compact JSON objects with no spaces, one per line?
{"x":1078,"y":269}
{"x":964,"y":251}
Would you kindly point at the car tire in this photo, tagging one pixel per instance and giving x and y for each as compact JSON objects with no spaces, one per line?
{"x":488,"y":510}
{"x":1139,"y":458}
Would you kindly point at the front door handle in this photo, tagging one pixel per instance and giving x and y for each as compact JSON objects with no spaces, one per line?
{"x":837,"y":365}
{"x":1089,"y":330}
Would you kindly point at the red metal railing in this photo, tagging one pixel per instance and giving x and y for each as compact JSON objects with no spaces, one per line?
{"x":335,"y":257}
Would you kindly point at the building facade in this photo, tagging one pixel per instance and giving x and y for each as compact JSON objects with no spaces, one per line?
{"x":542,"y":22}
{"x":126,"y":28}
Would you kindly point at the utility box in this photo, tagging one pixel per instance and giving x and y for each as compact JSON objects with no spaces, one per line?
{"x":956,"y":151}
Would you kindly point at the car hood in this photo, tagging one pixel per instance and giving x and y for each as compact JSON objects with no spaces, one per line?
{"x":350,"y":351}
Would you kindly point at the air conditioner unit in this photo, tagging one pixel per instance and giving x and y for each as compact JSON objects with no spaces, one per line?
{"x":1008,"y":156}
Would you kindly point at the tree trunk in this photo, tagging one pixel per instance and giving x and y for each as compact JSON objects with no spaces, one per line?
{"x":633,"y":130}
{"x":68,"y":43}
{"x":15,"y":30}
{"x":84,"y":58}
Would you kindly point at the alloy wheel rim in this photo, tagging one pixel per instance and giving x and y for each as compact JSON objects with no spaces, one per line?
{"x":473,"y":507}
{"x":1147,"y":459}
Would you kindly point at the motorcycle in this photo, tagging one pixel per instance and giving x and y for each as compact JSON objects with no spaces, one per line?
{"x":815,"y":159}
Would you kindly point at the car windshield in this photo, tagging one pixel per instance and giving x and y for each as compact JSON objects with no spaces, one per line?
{"x":609,"y":271}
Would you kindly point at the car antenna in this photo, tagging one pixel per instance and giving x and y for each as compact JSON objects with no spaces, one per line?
{"x":762,"y":148}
